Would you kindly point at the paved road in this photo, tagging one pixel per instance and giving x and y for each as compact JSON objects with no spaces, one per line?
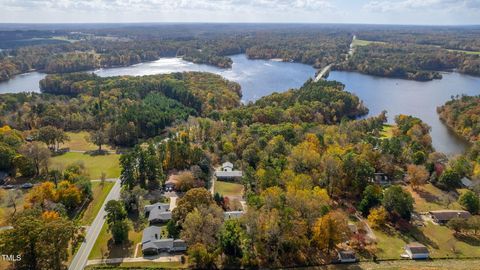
{"x":322,"y":73}
{"x":160,"y":258}
{"x":80,"y":259}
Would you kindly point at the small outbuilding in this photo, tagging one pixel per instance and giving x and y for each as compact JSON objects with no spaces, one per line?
{"x":443,"y":216}
{"x":346,"y":256}
{"x":417,"y":251}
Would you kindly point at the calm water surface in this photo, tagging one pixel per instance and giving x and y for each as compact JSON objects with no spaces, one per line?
{"x":259,"y":78}
{"x":415,"y":98}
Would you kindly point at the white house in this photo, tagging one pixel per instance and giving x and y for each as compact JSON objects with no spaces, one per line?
{"x":226,"y":172}
{"x":417,"y":251}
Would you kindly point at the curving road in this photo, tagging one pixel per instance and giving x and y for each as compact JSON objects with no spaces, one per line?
{"x":81,"y":257}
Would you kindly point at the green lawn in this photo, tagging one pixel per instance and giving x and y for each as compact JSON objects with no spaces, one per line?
{"x":361,"y":42}
{"x":465,"y":52}
{"x":94,"y":165}
{"x":105,"y":248}
{"x":228,"y":189}
{"x":387,"y":132}
{"x":79,"y":143}
{"x":99,"y":195}
{"x":389,"y":245}
{"x":429,"y":198}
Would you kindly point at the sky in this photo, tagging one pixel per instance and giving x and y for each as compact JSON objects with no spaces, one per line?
{"x":430,"y":12}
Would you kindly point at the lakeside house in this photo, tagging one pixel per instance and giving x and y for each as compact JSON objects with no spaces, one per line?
{"x":3,"y":177}
{"x":153,"y":244}
{"x":346,"y":256}
{"x":443,"y":216}
{"x":227,"y":172}
{"x":417,"y":251}
{"x":158,"y":213}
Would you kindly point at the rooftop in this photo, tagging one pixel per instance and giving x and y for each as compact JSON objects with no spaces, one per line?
{"x":445,"y":215}
{"x":417,"y":248}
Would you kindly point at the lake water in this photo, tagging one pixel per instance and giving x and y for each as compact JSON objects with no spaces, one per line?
{"x":256,"y":77}
{"x":260,"y":77}
{"x":419,"y":99}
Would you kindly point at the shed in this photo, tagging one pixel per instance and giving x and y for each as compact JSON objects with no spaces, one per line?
{"x":346,"y":256}
{"x":417,"y":251}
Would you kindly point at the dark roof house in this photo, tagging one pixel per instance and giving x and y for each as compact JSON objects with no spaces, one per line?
{"x":158,"y":212}
{"x":153,"y":244}
{"x":346,"y":256}
{"x":443,"y":216}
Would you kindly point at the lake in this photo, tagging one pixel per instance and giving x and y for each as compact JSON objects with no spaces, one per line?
{"x":256,"y":77}
{"x":419,"y":99}
{"x":261,"y":77}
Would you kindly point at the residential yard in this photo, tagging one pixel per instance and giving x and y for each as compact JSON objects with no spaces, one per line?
{"x":429,"y":197}
{"x":105,"y":248}
{"x":78,"y":142}
{"x":407,"y":265}
{"x":99,"y":195}
{"x":228,"y":189}
{"x":389,"y":244}
{"x":94,"y":165}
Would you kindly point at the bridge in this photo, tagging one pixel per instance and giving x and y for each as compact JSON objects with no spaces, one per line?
{"x":322,"y":73}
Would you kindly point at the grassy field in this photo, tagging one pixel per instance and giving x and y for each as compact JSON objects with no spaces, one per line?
{"x":389,"y":244}
{"x":104,"y":247}
{"x":228,"y":189}
{"x":94,"y":165}
{"x":429,"y":197}
{"x":387,"y":132}
{"x":361,"y":42}
{"x":465,"y":52}
{"x":78,"y":142}
{"x":99,"y":195}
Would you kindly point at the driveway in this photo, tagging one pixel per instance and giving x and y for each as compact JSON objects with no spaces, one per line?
{"x":81,"y":257}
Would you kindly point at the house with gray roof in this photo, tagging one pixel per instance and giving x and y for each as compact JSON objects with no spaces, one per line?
{"x":417,"y":251}
{"x":443,"y":216}
{"x":153,"y":244}
{"x":158,"y":213}
{"x":226,"y":172}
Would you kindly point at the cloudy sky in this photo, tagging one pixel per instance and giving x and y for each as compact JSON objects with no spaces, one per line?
{"x":316,"y":11}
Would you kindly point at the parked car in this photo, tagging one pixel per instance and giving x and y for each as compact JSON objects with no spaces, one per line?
{"x":8,"y":186}
{"x":27,"y":185}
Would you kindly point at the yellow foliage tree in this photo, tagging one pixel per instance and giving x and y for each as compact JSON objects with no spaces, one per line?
{"x":331,"y":230}
{"x":377,"y":217}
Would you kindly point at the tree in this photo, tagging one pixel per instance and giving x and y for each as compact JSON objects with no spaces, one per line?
{"x":69,"y":195}
{"x":52,"y":136}
{"x":372,"y":196}
{"x":194,"y":198}
{"x":202,"y":226}
{"x":230,"y":238}
{"x":450,"y":179}
{"x":200,"y":257}
{"x":38,"y":153}
{"x":330,"y":230}
{"x":186,"y":181}
{"x":378,"y":217}
{"x":40,"y":239}
{"x":470,"y":201}
{"x":398,"y":201}
{"x":11,"y":199}
{"x":99,"y":138}
{"x":417,"y":175}
{"x":116,"y":220}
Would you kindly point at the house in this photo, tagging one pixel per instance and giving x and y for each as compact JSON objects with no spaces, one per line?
{"x":226,"y":172}
{"x":443,"y":216}
{"x":158,"y":213}
{"x":467,"y":182}
{"x":171,"y":183}
{"x":380,"y":178}
{"x":232,"y":214}
{"x":346,"y":256}
{"x":153,"y":244}
{"x":417,"y":251}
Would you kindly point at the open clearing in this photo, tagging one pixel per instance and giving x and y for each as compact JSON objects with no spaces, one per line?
{"x":94,"y":165}
{"x":104,"y":247}
{"x":362,"y":42}
{"x":429,"y":198}
{"x":78,"y":142}
{"x":228,"y":189}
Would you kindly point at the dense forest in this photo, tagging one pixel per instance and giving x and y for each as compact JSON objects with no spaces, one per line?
{"x":462,"y":114}
{"x":126,"y":108}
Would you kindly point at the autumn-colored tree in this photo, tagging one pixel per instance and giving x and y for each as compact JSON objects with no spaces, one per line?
{"x":417,"y":175}
{"x":38,"y":153}
{"x":69,"y":195}
{"x":378,"y":217}
{"x":202,"y":226}
{"x":330,"y":230}
{"x":194,"y":198}
{"x":41,"y":194}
